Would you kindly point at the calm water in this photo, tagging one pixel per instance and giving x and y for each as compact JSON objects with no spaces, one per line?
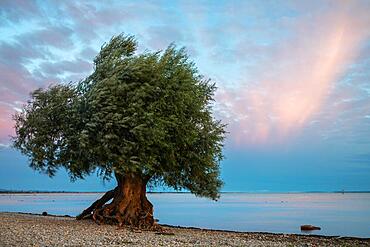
{"x":337,"y":214}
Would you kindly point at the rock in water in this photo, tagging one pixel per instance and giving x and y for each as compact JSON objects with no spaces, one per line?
{"x":309,"y":228}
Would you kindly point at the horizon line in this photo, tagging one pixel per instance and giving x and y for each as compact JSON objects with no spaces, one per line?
{"x":6,"y":191}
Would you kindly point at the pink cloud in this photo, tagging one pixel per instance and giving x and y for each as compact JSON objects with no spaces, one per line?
{"x":15,"y":85}
{"x":16,"y":79}
{"x":6,"y":126}
{"x":296,"y":77}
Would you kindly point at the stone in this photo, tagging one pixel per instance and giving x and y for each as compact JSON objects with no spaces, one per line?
{"x":309,"y":228}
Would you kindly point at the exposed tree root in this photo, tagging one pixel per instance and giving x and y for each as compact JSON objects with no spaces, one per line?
{"x":86,"y":214}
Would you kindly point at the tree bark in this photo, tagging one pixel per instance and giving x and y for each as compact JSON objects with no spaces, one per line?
{"x":129,"y":206}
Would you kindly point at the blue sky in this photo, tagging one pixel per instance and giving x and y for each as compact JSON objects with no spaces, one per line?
{"x":293,"y":81}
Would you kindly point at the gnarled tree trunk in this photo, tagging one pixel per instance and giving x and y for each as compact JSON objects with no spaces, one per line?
{"x":129,"y":206}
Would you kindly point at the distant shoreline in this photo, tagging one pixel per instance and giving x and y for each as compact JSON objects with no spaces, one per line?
{"x":179,"y":192}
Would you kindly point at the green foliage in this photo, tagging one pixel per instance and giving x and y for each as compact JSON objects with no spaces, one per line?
{"x":148,"y":114}
{"x":47,"y":131}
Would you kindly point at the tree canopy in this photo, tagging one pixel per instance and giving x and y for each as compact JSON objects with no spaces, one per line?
{"x":148,"y":114}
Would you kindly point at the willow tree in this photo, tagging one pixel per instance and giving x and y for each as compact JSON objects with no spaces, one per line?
{"x":143,"y":119}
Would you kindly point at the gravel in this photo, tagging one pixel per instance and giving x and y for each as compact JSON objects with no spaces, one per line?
{"x":34,"y":230}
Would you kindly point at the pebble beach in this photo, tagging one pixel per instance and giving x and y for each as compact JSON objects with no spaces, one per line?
{"x":17,"y":229}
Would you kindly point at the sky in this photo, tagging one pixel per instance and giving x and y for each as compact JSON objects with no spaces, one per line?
{"x":293,"y":81}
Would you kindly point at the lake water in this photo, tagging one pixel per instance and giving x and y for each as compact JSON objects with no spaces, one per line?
{"x":337,"y":214}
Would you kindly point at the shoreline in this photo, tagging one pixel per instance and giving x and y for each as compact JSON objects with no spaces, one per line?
{"x":24,"y":229}
{"x":215,"y":230}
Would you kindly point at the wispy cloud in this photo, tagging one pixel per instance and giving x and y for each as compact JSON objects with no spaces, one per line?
{"x":281,"y":68}
{"x":290,"y":87}
{"x":293,"y":76}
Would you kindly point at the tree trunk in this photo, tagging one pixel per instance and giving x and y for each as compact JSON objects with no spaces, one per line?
{"x":130,"y":205}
